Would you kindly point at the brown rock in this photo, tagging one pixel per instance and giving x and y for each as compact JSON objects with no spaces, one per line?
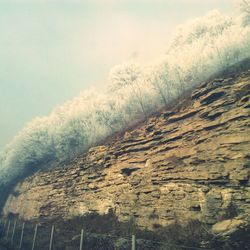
{"x":188,"y":165}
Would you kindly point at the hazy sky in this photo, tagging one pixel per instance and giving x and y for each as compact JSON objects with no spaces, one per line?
{"x":50,"y":50}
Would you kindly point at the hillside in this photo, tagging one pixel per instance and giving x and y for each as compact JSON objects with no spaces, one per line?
{"x":191,"y":163}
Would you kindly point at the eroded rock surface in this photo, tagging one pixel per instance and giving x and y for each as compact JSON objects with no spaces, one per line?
{"x":190,"y":164}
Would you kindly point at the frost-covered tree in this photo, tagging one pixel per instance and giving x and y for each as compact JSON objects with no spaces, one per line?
{"x":160,"y":78}
{"x":29,"y":149}
{"x":128,"y":77}
{"x":209,"y":27}
{"x":245,"y":9}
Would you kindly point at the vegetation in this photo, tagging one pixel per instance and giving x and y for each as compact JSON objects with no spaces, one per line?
{"x":106,"y":232}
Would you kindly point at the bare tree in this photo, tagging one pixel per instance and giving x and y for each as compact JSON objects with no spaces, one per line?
{"x":245,"y":9}
{"x":129,"y":75}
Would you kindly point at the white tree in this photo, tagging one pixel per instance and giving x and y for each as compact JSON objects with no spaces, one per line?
{"x":245,"y":10}
{"x":161,"y":81}
{"x":129,"y":75}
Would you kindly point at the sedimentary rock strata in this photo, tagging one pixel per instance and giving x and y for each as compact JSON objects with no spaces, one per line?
{"x":192,"y":163}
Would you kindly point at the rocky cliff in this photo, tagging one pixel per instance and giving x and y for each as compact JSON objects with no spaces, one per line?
{"x":190,"y":163}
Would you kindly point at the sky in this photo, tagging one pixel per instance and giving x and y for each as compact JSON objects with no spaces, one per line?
{"x":51,"y":50}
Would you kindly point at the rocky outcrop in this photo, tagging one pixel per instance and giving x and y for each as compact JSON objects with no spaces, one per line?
{"x":191,"y":163}
{"x":228,"y":226}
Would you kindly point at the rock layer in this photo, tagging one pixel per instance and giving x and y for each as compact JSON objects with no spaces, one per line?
{"x":188,"y":164}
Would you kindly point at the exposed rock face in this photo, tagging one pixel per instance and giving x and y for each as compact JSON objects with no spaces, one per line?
{"x":190,"y":164}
